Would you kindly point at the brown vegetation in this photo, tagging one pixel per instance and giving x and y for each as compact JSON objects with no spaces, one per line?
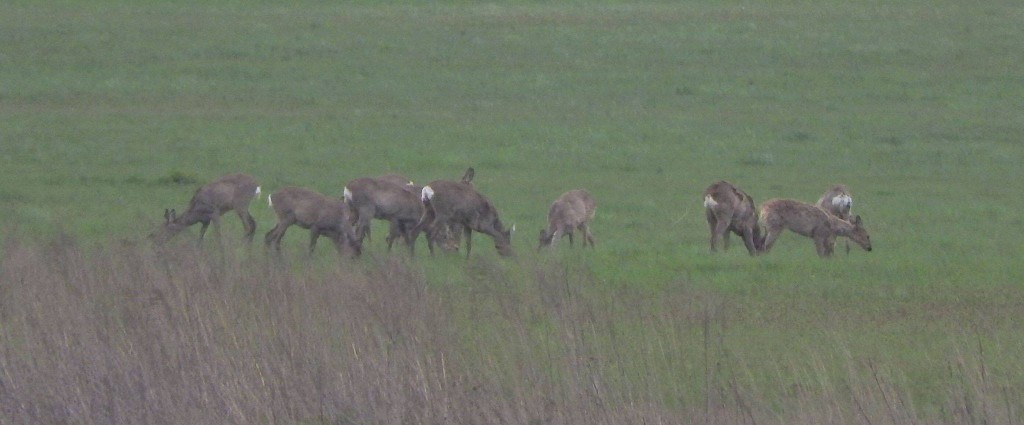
{"x":132,"y":335}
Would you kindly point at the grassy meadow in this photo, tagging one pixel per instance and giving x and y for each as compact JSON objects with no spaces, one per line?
{"x":111,"y":111}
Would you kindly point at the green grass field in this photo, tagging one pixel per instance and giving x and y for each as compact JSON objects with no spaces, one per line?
{"x":111,"y":111}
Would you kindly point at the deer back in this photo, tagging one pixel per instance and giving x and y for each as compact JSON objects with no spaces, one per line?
{"x":727,"y":200}
{"x":387,"y":199}
{"x":308,"y":208}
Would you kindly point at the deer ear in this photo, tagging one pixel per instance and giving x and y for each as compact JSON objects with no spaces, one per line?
{"x":174,"y":214}
{"x":167,"y":214}
{"x":856,"y":220}
{"x":468,"y":177}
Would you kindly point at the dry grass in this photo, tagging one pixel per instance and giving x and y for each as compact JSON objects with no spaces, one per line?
{"x":132,"y":335}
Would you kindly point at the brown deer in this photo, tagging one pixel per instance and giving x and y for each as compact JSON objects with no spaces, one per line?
{"x":449,"y":202}
{"x":322,"y":215}
{"x":232,"y":192}
{"x":380,"y":198}
{"x":572,"y":210}
{"x":838,"y":202}
{"x":811,"y":221}
{"x":729,"y":209}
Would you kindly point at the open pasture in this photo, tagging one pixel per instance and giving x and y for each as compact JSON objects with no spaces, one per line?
{"x":112,"y":111}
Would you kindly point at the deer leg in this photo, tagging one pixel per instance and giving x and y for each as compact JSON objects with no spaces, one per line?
{"x":587,"y":236}
{"x":248,"y":223}
{"x":712,"y":225}
{"x":469,"y":239}
{"x":407,"y":235}
{"x":393,"y":233}
{"x":277,"y":233}
{"x":720,"y":232}
{"x":748,"y":240}
{"x":269,"y":237}
{"x":202,"y":230}
{"x":314,"y":234}
{"x":771,"y":234}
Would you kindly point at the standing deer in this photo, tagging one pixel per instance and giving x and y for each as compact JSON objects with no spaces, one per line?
{"x":811,"y":221}
{"x":728,"y":208}
{"x":458,"y":203}
{"x":838,"y":202}
{"x":379,"y":198}
{"x":322,"y":215}
{"x":572,"y":210}
{"x":232,"y":192}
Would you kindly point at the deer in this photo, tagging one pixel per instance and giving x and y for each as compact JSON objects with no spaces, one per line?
{"x":458,"y":203}
{"x":232,"y":192}
{"x":571,"y":211}
{"x":811,"y":221}
{"x":381,"y":198}
{"x":838,"y":202}
{"x":729,"y":209}
{"x":321,"y":214}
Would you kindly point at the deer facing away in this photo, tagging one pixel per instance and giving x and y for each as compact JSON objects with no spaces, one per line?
{"x":572,"y":210}
{"x":321,"y":214}
{"x":449,"y":203}
{"x":811,"y":221}
{"x":232,"y":192}
{"x":729,"y":209}
{"x":838,"y":202}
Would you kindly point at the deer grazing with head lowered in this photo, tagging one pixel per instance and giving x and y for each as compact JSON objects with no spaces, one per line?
{"x":729,"y":209}
{"x":369,"y":198}
{"x":322,"y":215}
{"x":232,"y":192}
{"x":572,"y":210}
{"x":838,"y":202}
{"x":449,"y":203}
{"x":811,"y":221}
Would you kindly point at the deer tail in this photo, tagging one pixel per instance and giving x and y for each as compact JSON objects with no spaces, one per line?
{"x":843,"y":200}
{"x":270,"y":201}
{"x":347,"y":194}
{"x":709,"y":202}
{"x":258,"y":192}
{"x":427,"y":194}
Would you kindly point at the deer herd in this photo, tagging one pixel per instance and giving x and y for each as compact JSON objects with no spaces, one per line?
{"x":449,"y":211}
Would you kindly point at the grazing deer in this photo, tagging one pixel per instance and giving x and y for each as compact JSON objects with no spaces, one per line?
{"x":322,"y":215}
{"x":449,"y":202}
{"x":811,"y":221}
{"x":572,"y":210}
{"x":232,"y":192}
{"x":728,"y":208}
{"x":838,"y":202}
{"x":379,"y":198}
{"x":448,"y":235}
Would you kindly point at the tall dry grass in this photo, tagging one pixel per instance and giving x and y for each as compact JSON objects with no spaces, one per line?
{"x":134,"y":335}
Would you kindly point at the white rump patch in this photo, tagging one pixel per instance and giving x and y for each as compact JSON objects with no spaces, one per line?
{"x":270,"y":201}
{"x":844,"y":201}
{"x":427,"y":193}
{"x":347,"y":194}
{"x":258,"y":191}
{"x":709,"y":202}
